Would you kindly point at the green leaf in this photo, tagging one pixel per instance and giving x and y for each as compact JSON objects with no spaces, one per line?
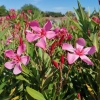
{"x":95,"y":41}
{"x":2,"y":86}
{"x":26,"y":70}
{"x":40,"y":52}
{"x":98,"y":76}
{"x":35,"y":94}
{"x":1,"y":69}
{"x":3,"y":32}
{"x":28,"y":47}
{"x":76,"y":24}
{"x":20,"y":77}
{"x":77,"y":14}
{"x":81,"y":11}
{"x":71,"y":97}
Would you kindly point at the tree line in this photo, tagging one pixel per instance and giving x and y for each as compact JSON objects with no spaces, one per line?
{"x":32,"y":8}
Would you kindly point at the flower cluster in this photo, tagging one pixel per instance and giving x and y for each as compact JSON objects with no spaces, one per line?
{"x":40,"y":35}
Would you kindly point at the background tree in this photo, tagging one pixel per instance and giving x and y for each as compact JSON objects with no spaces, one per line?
{"x":27,"y":7}
{"x":69,"y":13}
{"x":54,"y":14}
{"x":3,"y":10}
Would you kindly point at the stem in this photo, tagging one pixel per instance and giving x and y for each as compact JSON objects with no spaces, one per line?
{"x":38,"y":59}
{"x":69,"y":68}
{"x":60,"y":78}
{"x":60,"y":82}
{"x":67,"y":74}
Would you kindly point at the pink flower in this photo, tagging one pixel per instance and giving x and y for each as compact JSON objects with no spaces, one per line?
{"x":16,"y":59}
{"x":8,"y":17}
{"x":79,"y":51}
{"x":41,"y":33}
{"x":79,"y":96}
{"x":9,"y":40}
{"x":12,"y":10}
{"x":68,"y":36}
{"x":96,"y":19}
{"x":61,"y":32}
{"x":13,"y":16}
{"x":29,"y":11}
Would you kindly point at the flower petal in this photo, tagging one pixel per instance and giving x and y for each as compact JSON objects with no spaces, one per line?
{"x":17,"y":69}
{"x":89,"y":50}
{"x":41,"y":43}
{"x":28,"y":31}
{"x":36,"y":29}
{"x":35,"y":26}
{"x":9,"y":65}
{"x":87,"y":60}
{"x":72,"y":58}
{"x":25,"y":59}
{"x":21,"y":49}
{"x":56,"y":30}
{"x":48,"y":25}
{"x":9,"y":53}
{"x":34,"y":23}
{"x":31,"y":37}
{"x":80,"y":43}
{"x":68,"y":47}
{"x":50,"y":34}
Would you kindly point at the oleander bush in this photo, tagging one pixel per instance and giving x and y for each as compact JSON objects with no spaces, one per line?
{"x":41,"y":60}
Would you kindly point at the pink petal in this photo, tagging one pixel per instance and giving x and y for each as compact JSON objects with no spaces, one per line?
{"x":68,"y":47}
{"x":89,"y":50}
{"x":34,"y":23}
{"x":21,"y":49}
{"x":9,"y":65}
{"x":56,"y":30}
{"x":36,"y":29}
{"x":28,"y":31}
{"x":50,"y":34}
{"x":87,"y":60}
{"x":31,"y":37}
{"x":25,"y":59}
{"x":41,"y":43}
{"x":72,"y":58}
{"x":48,"y":25}
{"x":17,"y":69}
{"x":80,"y":43}
{"x":9,"y":53}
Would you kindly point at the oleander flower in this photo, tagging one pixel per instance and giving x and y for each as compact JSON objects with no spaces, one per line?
{"x":16,"y":59}
{"x":79,"y":51}
{"x":40,"y":33}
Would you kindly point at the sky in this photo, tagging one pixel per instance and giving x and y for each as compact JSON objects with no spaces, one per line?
{"x":52,"y":5}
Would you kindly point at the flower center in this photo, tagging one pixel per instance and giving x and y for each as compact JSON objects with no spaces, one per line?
{"x":17,"y":59}
{"x":79,"y":52}
{"x":43,"y":33}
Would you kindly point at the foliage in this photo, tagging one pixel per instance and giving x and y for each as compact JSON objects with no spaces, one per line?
{"x":49,"y":71}
{"x":3,"y":11}
{"x":53,"y":14}
{"x":27,"y":7}
{"x":69,"y":13}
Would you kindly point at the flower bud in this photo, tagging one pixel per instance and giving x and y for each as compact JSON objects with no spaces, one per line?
{"x":55,"y":64}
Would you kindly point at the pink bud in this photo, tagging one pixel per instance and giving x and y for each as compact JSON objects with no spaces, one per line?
{"x":62,"y":59}
{"x":55,"y":64}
